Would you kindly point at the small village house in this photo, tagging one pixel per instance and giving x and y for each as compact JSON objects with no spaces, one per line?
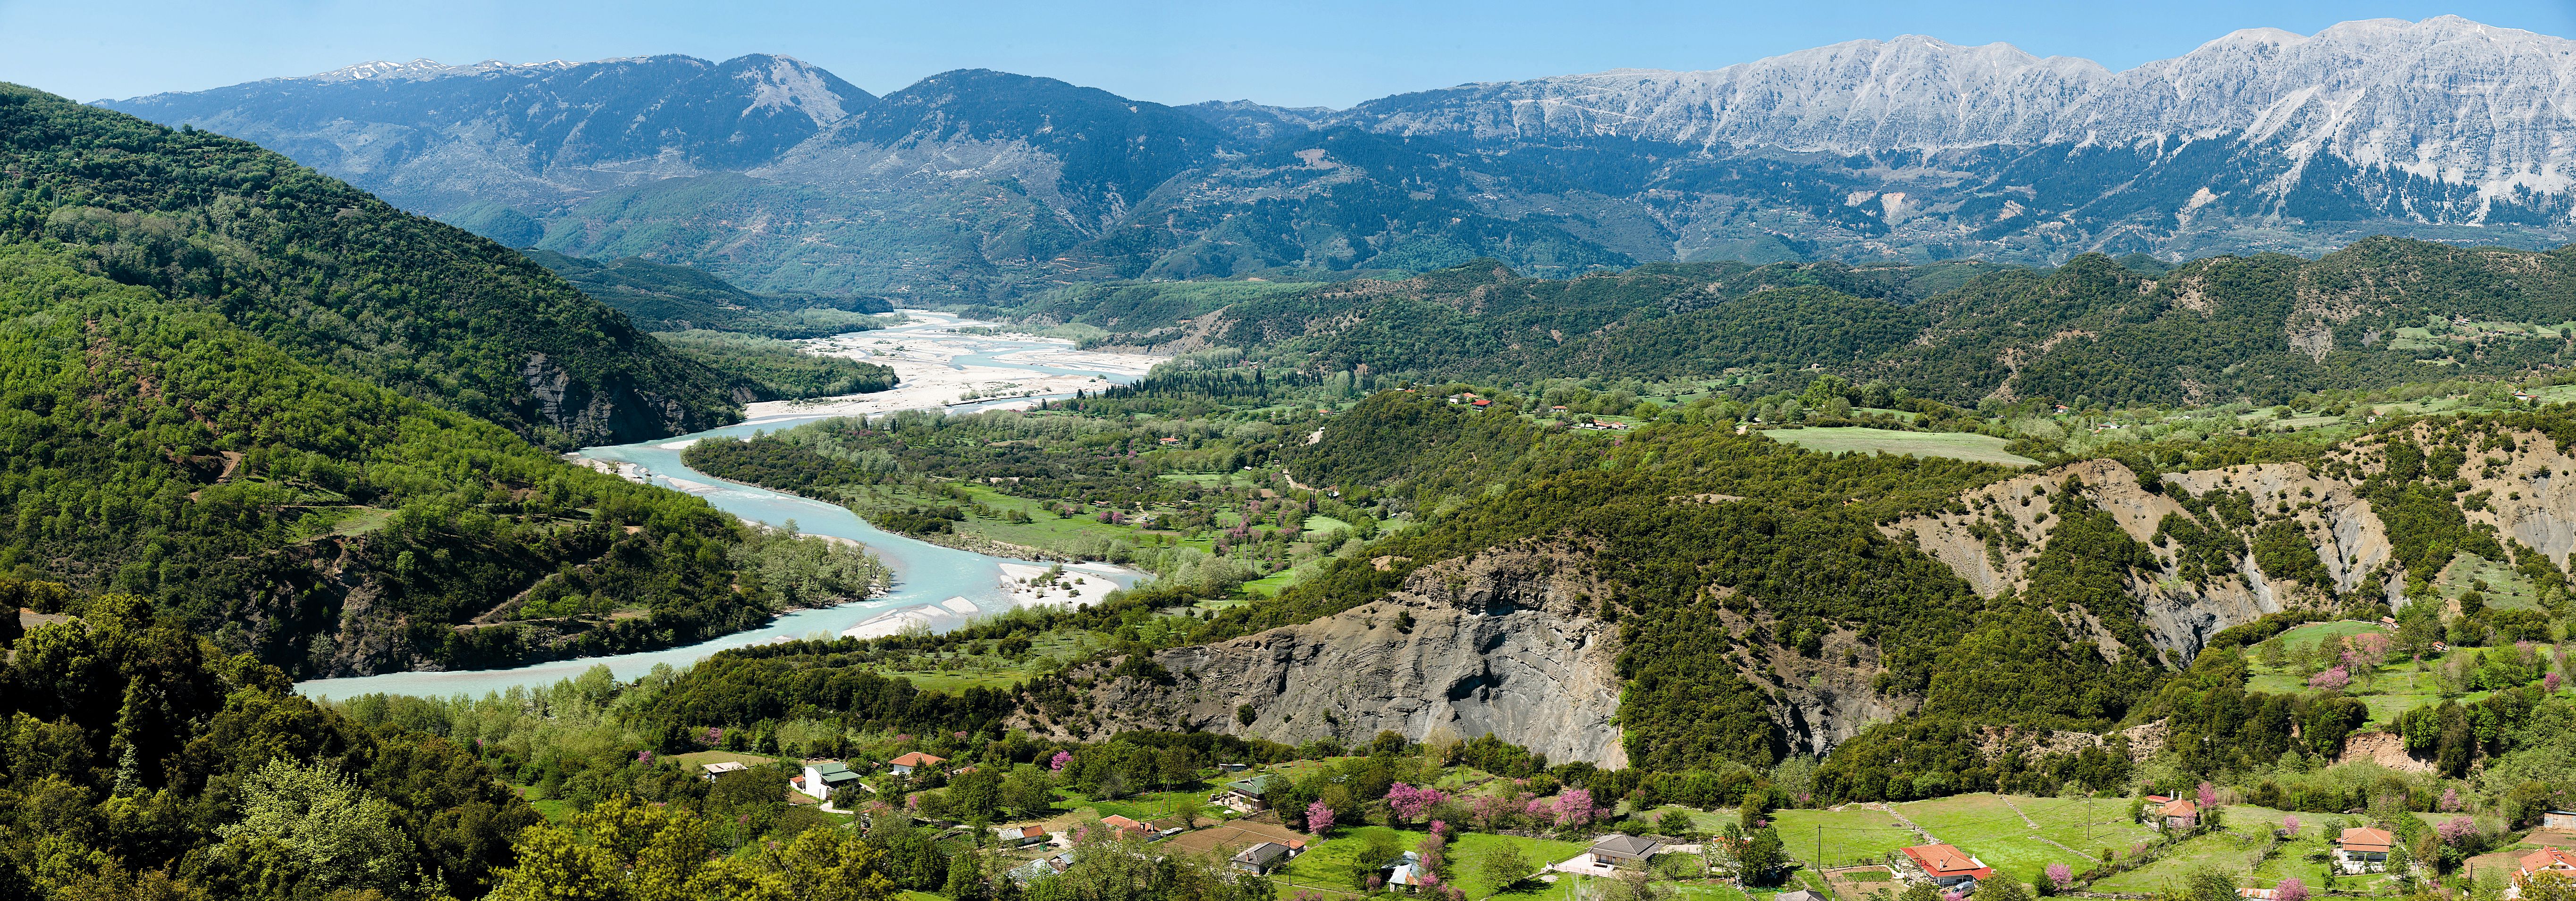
{"x":822,"y":776}
{"x":1625,"y":850}
{"x":1404,"y":872}
{"x":710,"y":771}
{"x":1123,"y":826}
{"x":2363,"y":849}
{"x":1262,"y":858}
{"x":2179,"y":813}
{"x":2545,"y":860}
{"x":1946,"y":866}
{"x":913,"y":760}
{"x":2560,"y":820}
{"x":1246,"y":796}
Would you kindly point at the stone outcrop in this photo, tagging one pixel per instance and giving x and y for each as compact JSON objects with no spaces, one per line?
{"x":1502,"y":642}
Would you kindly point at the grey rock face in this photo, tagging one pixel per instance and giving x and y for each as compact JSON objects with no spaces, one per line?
{"x":1496,"y":643}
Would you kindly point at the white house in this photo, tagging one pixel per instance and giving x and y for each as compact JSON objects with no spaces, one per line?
{"x":822,"y":776}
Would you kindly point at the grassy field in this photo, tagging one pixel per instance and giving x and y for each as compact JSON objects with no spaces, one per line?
{"x":1850,"y":834}
{"x":2390,"y":690}
{"x":1956,"y":445}
{"x":1326,"y":866}
{"x":1994,"y":828}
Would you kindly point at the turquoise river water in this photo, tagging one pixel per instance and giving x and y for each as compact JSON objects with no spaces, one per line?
{"x":926,"y":575}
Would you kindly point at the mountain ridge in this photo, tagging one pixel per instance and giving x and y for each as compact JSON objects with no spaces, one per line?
{"x":973,"y":185}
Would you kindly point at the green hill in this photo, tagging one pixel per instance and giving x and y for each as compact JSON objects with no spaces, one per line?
{"x":338,"y":278}
{"x":211,"y":369}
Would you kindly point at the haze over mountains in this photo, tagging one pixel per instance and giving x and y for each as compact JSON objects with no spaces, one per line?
{"x":979,"y":185}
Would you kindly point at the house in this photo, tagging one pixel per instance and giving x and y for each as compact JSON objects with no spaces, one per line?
{"x":1042,"y":868}
{"x":1405,"y":870}
{"x":1016,"y":836}
{"x":2363,"y":850}
{"x":1947,"y":867}
{"x":2561,"y":820}
{"x":1260,"y":859}
{"x":822,"y":776}
{"x":2545,"y":860}
{"x":1245,"y":796}
{"x":2159,"y":800}
{"x":2179,"y":813}
{"x":1123,"y":827}
{"x":710,"y":771}
{"x":1625,"y":850}
{"x":913,"y":760}
{"x":1482,"y":403}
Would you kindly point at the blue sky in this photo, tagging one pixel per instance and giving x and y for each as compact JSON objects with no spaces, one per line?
{"x":1288,"y":52}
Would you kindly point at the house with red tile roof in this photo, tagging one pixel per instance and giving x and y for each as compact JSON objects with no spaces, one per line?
{"x":1946,"y":866}
{"x":2545,"y":860}
{"x":913,"y":760}
{"x":2363,"y":850}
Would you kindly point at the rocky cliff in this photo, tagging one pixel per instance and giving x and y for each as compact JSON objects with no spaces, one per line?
{"x":1495,"y":643}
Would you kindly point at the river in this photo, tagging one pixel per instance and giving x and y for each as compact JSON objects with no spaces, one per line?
{"x":935,"y":586}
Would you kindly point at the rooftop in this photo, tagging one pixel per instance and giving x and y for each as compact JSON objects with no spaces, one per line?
{"x":2365,"y":839}
{"x":1944,"y":860}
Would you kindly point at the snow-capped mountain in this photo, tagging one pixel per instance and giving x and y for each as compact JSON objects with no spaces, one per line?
{"x":977,"y":184}
{"x":2445,"y":98}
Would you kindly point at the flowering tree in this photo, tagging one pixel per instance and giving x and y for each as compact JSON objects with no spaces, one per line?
{"x":2290,"y":889}
{"x":2330,"y":680}
{"x":2290,"y":825}
{"x":1059,"y":760}
{"x":644,"y":757}
{"x":2061,"y":876}
{"x":1574,"y":807}
{"x":1434,"y":857}
{"x":2450,"y":800}
{"x":2208,"y":796}
{"x":2550,"y":682}
{"x":1319,"y":818}
{"x":2458,"y":831}
{"x":1410,"y":802}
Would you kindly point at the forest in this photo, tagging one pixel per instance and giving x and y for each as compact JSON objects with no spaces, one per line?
{"x":172,"y":433}
{"x":2133,"y":330}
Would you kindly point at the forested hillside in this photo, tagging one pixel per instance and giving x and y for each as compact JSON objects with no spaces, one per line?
{"x":145,"y":762}
{"x":338,"y":278}
{"x":214,"y":362}
{"x":2262,"y":329}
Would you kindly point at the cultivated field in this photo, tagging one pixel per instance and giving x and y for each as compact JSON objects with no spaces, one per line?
{"x":1955,"y":445}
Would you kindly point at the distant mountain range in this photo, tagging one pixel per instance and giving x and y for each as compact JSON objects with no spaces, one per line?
{"x":978,"y":185}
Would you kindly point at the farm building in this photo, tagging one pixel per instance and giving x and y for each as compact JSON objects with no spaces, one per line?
{"x":2561,"y":820}
{"x":1016,"y":836}
{"x":710,"y":771}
